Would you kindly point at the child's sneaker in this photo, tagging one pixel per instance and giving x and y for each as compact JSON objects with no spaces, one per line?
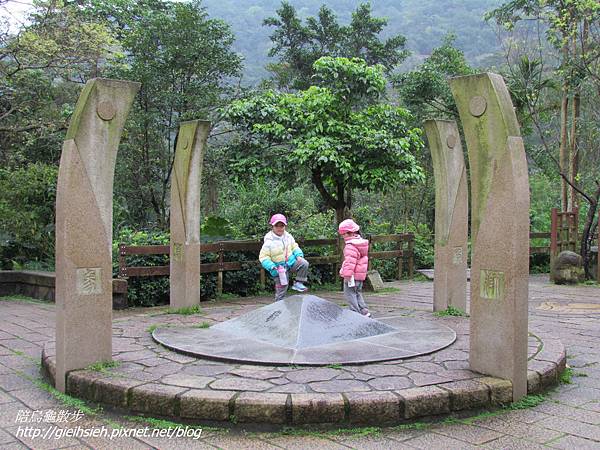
{"x":365,"y":312}
{"x":299,"y":286}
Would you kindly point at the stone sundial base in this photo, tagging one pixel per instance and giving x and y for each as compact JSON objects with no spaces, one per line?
{"x":307,"y":330}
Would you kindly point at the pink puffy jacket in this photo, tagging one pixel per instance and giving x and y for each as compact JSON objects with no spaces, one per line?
{"x":356,"y":259}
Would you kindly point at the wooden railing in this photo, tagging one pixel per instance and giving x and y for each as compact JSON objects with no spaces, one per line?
{"x":543,"y":249}
{"x":404,"y":253}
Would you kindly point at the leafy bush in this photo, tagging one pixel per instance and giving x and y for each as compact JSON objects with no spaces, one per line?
{"x":27,"y":198}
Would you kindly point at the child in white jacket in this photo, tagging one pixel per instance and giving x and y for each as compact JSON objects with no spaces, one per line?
{"x":281,"y":254}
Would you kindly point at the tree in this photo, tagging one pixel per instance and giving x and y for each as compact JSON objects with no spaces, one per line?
{"x":183,"y":59}
{"x":565,"y":25}
{"x":338,"y":133}
{"x":41,"y":68}
{"x":425,"y":90}
{"x":298,"y":46}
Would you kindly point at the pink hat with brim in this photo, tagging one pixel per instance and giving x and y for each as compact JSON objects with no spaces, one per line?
{"x":348,"y":225}
{"x":278,"y":218}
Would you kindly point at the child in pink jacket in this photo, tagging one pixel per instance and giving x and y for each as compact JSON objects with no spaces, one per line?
{"x":355,"y":266}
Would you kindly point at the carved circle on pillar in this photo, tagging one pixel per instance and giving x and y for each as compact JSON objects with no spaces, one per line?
{"x":186,"y":142}
{"x":106,"y":110}
{"x":451,"y":141}
{"x":477,"y":106}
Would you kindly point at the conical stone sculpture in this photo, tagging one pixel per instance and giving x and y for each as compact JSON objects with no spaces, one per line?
{"x":308,"y":330}
{"x":303,"y":322}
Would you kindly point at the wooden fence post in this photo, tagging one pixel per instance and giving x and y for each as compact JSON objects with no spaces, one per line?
{"x":553,"y":237}
{"x":401,"y":257}
{"x":220,"y":272}
{"x":411,"y":261}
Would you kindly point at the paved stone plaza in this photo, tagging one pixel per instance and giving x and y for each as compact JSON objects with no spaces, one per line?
{"x":569,"y":418}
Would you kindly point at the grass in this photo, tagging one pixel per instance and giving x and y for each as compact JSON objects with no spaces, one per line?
{"x":167,"y":424}
{"x":335,"y":366}
{"x":103,"y":366}
{"x":227,"y":296}
{"x":529,"y":401}
{"x":566,"y":377}
{"x":451,"y":311}
{"x":358,"y":432}
{"x":420,"y":277}
{"x":23,"y":298}
{"x":186,"y":310}
{"x":202,"y":325}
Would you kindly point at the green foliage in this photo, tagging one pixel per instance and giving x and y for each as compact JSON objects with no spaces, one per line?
{"x":345,"y":140}
{"x":451,"y":311}
{"x":425,"y":90}
{"x":529,"y":401}
{"x":27,"y":197}
{"x":566,"y":377}
{"x":103,"y":366}
{"x":186,"y":310}
{"x":299,"y":46}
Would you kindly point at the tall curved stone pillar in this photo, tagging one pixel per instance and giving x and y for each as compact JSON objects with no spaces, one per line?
{"x":185,"y":214}
{"x":84,"y":204}
{"x":451,"y":215}
{"x":499,"y":229}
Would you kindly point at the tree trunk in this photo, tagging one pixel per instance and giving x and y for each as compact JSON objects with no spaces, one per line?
{"x":574,"y":152}
{"x":586,"y":235}
{"x":563,"y":152}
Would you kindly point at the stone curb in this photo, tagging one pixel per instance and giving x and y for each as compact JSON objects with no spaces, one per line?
{"x":378,"y":408}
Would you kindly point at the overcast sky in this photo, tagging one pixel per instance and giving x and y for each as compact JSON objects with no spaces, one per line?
{"x":15,"y":11}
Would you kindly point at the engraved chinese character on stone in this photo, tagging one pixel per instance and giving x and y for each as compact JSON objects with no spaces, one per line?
{"x":89,"y":281}
{"x":491,"y":284}
{"x":177,"y":252}
{"x":457,"y":255}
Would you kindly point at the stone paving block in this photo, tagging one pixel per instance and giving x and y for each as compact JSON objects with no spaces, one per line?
{"x":377,"y":408}
{"x":580,"y":415}
{"x":335,"y":386}
{"x":114,"y":391}
{"x":437,"y":441}
{"x":316,"y":408}
{"x":230,"y":441}
{"x":513,"y":443}
{"x":424,"y":401}
{"x":534,"y":382}
{"x":574,"y":442}
{"x":156,"y":399}
{"x":547,"y":370}
{"x":260,"y":407}
{"x":190,"y":381}
{"x":306,"y":442}
{"x":40,"y":443}
{"x":80,"y":383}
{"x":240,"y":384}
{"x":500,"y":390}
{"x":468,"y":433}
{"x":205,"y":404}
{"x":569,"y":426}
{"x":467,"y":394}
{"x":35,"y":398}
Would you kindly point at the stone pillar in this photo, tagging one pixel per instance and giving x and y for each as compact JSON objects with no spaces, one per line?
{"x":84,"y":205}
{"x":499,"y":229}
{"x":185,"y":214}
{"x":451,"y":215}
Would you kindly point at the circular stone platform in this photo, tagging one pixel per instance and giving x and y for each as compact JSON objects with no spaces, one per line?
{"x":307,"y":330}
{"x":152,"y":380}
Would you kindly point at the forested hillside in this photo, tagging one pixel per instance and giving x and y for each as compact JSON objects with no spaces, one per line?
{"x":422,"y":22}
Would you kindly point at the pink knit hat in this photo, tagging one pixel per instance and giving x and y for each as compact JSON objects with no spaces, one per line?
{"x":278,"y":218}
{"x":348,"y":225}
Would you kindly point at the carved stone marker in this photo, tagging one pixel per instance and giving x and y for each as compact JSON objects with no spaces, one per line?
{"x":185,"y":214}
{"x":451,"y":215}
{"x":499,"y":229}
{"x":84,"y":205}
